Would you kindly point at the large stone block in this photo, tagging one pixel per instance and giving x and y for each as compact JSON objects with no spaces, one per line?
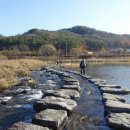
{"x":116,"y":106}
{"x":119,"y":121}
{"x":109,"y":86}
{"x":114,"y":90}
{"x":95,"y":81}
{"x":71,"y":79}
{"x":50,"y":118}
{"x":27,"y":126}
{"x":64,"y":93}
{"x":51,"y":102}
{"x":107,"y":96}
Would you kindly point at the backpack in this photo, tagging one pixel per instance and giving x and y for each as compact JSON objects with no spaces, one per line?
{"x":83,"y":63}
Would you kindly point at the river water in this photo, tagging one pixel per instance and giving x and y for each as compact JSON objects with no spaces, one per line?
{"x":89,"y":115}
{"x":118,"y":74}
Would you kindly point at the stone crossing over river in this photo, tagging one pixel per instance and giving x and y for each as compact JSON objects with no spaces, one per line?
{"x":51,"y":102}
{"x":51,"y":118}
{"x":117,"y":112}
{"x":107,"y":96}
{"x":63,"y":93}
{"x":54,"y":108}
{"x":56,"y":105}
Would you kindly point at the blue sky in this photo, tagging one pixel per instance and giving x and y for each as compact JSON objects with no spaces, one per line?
{"x":18,"y":16}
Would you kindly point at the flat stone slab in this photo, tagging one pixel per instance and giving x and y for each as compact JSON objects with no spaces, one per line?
{"x":74,"y":87}
{"x":93,"y":80}
{"x":114,"y":90}
{"x":119,"y":121}
{"x":50,"y":118}
{"x":109,"y":85}
{"x":27,"y":126}
{"x":71,"y":83}
{"x":107,"y":96}
{"x":64,"y":93}
{"x":116,"y":106}
{"x":69,"y":80}
{"x":69,"y":77}
{"x":51,"y":102}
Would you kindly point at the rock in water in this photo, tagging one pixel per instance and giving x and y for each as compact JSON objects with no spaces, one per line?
{"x":108,"y":85}
{"x":107,"y":96}
{"x":64,"y":93}
{"x":119,"y":121}
{"x":50,"y":118}
{"x":116,"y":106}
{"x":114,"y":90}
{"x":26,"y":126}
{"x":51,"y":102}
{"x":97,"y":81}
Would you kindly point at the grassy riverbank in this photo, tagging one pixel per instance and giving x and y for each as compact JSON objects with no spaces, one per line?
{"x":10,"y":69}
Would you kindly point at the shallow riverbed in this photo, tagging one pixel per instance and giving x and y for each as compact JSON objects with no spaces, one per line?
{"x":88,"y":115}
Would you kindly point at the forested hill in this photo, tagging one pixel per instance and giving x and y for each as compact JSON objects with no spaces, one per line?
{"x":96,"y":37}
{"x":93,"y":39}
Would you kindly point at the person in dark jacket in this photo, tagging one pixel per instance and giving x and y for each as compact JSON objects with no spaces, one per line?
{"x":82,"y":66}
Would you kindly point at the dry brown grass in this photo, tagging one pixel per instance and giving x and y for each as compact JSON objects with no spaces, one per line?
{"x":68,"y":65}
{"x":115,"y":60}
{"x":10,"y":69}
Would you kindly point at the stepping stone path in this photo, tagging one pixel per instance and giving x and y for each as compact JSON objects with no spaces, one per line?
{"x":116,"y":106}
{"x":114,"y":90}
{"x":119,"y":121}
{"x":55,"y":103}
{"x":27,"y":126}
{"x":55,"y":106}
{"x":108,"y":86}
{"x":71,"y":80}
{"x":107,"y":96}
{"x":64,"y":93}
{"x":97,"y":81}
{"x":117,"y":112}
{"x":50,"y":118}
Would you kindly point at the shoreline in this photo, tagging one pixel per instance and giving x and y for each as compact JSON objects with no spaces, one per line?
{"x":91,"y":61}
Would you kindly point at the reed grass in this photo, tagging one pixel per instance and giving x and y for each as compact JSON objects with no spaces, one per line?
{"x":11,"y":69}
{"x":110,"y":60}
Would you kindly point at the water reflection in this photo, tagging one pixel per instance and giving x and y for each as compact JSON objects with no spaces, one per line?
{"x":112,"y":73}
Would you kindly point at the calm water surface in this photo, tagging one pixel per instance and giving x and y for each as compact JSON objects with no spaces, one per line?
{"x":113,"y":73}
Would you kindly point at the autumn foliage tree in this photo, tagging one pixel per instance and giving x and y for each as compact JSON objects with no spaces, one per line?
{"x":75,"y":52}
{"x":47,"y":50}
{"x":83,"y":49}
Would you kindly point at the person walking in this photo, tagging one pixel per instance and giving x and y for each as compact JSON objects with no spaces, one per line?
{"x":82,"y":66}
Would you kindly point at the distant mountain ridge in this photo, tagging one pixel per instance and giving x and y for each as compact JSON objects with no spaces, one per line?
{"x":92,"y":38}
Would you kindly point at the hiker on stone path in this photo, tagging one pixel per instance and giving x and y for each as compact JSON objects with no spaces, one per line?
{"x":82,"y":66}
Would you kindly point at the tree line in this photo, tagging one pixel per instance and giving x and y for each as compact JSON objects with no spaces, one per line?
{"x":66,"y":41}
